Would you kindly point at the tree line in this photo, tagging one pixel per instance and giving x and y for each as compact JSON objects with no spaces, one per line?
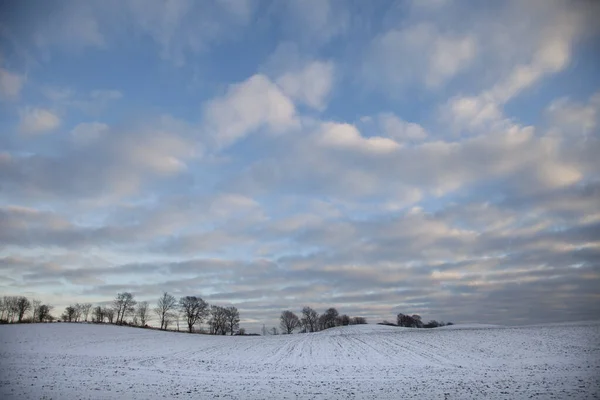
{"x":21,"y":309}
{"x":414,"y":321}
{"x":125,"y":310}
{"x":311,"y":321}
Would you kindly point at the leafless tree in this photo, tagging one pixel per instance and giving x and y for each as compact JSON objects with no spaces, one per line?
{"x":123,"y":304}
{"x":11,"y":307}
{"x":288,"y":321}
{"x":3,"y":310}
{"x":23,"y":305}
{"x":232,"y":316}
{"x":194,"y":310}
{"x":409,"y":321}
{"x":358,"y":321}
{"x":85,"y":310}
{"x":218,"y":320}
{"x":35,"y":306}
{"x":165,"y":307}
{"x":69,"y":314}
{"x":43,"y":313}
{"x":98,"y":314}
{"x":141,"y":312}
{"x":78,"y":311}
{"x":343,"y":320}
{"x":328,"y":319}
{"x":310,"y":319}
{"x":274,"y":331}
{"x":109,"y":313}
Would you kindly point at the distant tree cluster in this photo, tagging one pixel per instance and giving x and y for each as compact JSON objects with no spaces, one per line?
{"x":310,"y":321}
{"x":125,"y":310}
{"x":414,"y":321}
{"x":19,"y":309}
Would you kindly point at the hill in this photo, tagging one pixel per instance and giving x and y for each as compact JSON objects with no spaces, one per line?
{"x":364,"y":361}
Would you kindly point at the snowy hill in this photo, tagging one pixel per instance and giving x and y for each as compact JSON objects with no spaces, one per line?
{"x":364,"y":361}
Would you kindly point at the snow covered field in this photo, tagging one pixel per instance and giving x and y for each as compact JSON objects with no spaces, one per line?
{"x":85,"y":361}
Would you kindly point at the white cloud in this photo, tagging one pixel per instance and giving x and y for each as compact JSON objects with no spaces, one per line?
{"x":315,"y":21}
{"x":311,"y":85}
{"x":572,"y":118}
{"x":184,"y":27}
{"x":420,"y":53}
{"x":450,"y":55}
{"x":91,"y":103}
{"x":246,"y":107}
{"x":548,"y":40}
{"x":346,"y":136}
{"x":472,"y":112}
{"x":38,"y":120}
{"x":88,"y":132}
{"x":400,"y":130}
{"x":10,"y":84}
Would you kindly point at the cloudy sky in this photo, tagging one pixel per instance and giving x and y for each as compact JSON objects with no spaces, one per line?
{"x":435,"y":157}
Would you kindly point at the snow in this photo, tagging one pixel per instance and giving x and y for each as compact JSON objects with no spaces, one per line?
{"x":470,"y":326}
{"x":86,"y":361}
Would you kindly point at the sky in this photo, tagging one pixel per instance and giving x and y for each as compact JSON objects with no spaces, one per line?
{"x":434,"y":157}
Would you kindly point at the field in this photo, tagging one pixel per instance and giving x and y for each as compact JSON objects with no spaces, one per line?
{"x":85,"y":361}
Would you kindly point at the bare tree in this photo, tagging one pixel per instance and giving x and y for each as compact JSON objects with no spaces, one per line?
{"x":123,"y":304}
{"x":409,"y":321}
{"x":232,"y":315}
{"x":194,"y":310}
{"x":109,"y":313}
{"x":3,"y":310}
{"x":85,"y":310}
{"x":35,"y":306}
{"x":165,"y":307}
{"x":142,"y":312}
{"x":23,"y":305}
{"x":69,"y":314}
{"x":218,"y":320}
{"x":78,"y":311}
{"x":98,"y":314}
{"x":358,"y":321}
{"x":274,"y":331}
{"x":343,"y":320}
{"x":329,"y":318}
{"x":11,"y":307}
{"x":288,"y":321}
{"x":310,"y":319}
{"x":43,"y":313}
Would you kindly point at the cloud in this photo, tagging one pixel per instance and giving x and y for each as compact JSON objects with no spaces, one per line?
{"x":10,"y":84}
{"x":120,"y":161}
{"x":38,"y":120}
{"x":246,"y":107}
{"x":450,"y":55}
{"x":88,"y":132}
{"x":550,"y":38}
{"x":314,"y":168}
{"x":400,"y":130}
{"x":71,"y":25}
{"x":315,"y":21}
{"x":183,"y":28}
{"x":345,"y":136}
{"x":400,"y":57}
{"x":311,"y":85}
{"x":92,"y":103}
{"x":574,"y":119}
